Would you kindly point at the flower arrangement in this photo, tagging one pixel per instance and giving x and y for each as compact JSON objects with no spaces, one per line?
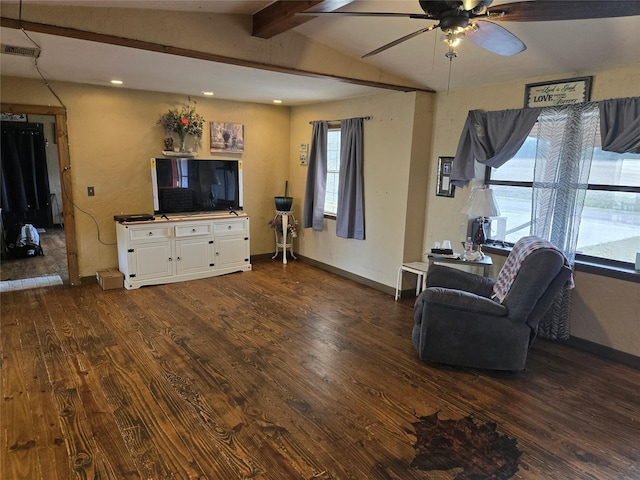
{"x":184,"y":122}
{"x":292,"y":226}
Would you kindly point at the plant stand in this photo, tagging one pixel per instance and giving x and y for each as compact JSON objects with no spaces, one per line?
{"x":284,"y":240}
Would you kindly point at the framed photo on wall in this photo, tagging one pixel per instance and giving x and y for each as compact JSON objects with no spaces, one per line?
{"x":444,"y":188}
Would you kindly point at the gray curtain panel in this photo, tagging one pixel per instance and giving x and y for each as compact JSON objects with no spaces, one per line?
{"x":350,"y":215}
{"x":620,"y":125}
{"x":491,"y":138}
{"x":313,"y":210}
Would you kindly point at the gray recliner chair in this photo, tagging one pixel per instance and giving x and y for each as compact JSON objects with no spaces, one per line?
{"x":457,"y":322}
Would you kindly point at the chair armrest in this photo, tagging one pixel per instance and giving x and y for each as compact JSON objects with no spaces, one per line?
{"x":441,"y":276}
{"x":460,"y":300}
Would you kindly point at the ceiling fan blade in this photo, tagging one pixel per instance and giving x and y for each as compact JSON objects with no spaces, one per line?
{"x":398,"y":41}
{"x":549,"y":10}
{"x":495,"y":38}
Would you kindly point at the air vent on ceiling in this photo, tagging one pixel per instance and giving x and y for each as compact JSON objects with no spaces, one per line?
{"x":21,"y":51}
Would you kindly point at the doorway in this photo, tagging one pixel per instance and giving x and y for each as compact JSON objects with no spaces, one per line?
{"x":57,"y":239}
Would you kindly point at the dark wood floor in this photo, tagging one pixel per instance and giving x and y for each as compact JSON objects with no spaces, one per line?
{"x":54,"y":261}
{"x":284,"y":372}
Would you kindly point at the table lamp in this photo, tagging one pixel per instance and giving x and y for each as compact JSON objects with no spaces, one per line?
{"x":482,"y":203}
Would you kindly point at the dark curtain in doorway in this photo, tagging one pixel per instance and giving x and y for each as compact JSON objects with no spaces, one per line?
{"x":25,"y":180}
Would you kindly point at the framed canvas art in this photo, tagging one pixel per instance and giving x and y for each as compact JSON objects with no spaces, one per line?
{"x":227,"y":137}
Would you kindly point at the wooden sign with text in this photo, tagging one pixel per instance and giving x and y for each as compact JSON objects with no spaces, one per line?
{"x":557,"y":93}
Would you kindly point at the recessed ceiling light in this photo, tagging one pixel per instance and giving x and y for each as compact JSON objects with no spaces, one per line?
{"x":117,"y":82}
{"x":208,"y":94}
{"x":277,"y":101}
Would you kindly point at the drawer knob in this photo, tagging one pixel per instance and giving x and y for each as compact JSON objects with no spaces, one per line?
{"x":193,"y":230}
{"x":229,"y":227}
{"x":150,"y":234}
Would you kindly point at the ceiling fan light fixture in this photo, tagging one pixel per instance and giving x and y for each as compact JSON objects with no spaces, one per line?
{"x":453,"y":39}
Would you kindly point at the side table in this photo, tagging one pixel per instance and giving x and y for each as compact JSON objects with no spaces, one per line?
{"x":485,"y":264}
{"x":421,"y":269}
{"x":284,"y":240}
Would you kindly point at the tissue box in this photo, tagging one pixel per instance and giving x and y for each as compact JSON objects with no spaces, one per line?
{"x":442,"y":251}
{"x":109,"y":279}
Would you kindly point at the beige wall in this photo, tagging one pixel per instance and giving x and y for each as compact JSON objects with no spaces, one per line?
{"x":396,"y":140}
{"x":605,"y":310}
{"x":113,"y":134}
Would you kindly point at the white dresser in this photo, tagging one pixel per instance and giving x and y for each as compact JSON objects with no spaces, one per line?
{"x":182,"y":248}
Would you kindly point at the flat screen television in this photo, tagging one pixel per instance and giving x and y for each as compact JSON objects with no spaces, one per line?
{"x":190,"y":185}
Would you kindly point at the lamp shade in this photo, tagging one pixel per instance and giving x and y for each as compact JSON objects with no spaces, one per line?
{"x":482,"y":203}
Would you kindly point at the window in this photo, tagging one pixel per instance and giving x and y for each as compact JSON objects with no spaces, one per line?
{"x":333,"y":171}
{"x":610,"y":221}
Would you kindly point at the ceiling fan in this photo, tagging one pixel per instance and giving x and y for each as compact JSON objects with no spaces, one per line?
{"x":474,"y":19}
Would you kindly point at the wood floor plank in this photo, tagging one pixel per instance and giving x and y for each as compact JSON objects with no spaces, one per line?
{"x":148,"y":433}
{"x":48,"y":434}
{"x":19,"y":452}
{"x":284,"y":372}
{"x":69,"y":376}
{"x":20,"y":415}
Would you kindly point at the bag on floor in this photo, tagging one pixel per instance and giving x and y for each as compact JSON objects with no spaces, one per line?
{"x":26,"y":242}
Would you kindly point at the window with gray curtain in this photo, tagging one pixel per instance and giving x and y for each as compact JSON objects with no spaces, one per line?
{"x":350,"y":210}
{"x":609,"y":184}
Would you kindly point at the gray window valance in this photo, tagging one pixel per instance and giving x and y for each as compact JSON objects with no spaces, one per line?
{"x":620,"y":125}
{"x":493,"y":138}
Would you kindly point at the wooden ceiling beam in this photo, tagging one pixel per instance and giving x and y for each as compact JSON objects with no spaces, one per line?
{"x":280,"y":16}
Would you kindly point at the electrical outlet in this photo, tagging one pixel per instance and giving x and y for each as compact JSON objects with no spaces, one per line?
{"x":91,"y":191}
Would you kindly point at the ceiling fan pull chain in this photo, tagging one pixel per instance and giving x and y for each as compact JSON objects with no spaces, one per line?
{"x":451,"y":54}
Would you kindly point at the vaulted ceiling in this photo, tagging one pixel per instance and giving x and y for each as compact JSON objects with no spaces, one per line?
{"x":558,"y":48}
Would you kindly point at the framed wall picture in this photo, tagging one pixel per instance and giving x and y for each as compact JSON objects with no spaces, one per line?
{"x":558,"y":92}
{"x":227,"y":137}
{"x":444,"y":188}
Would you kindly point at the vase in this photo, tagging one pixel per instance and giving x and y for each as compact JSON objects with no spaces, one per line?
{"x":182,"y":143}
{"x":185,"y":143}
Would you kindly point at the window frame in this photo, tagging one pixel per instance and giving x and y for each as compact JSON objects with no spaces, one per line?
{"x":589,"y":263}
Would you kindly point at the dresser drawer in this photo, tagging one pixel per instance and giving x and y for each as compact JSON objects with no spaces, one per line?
{"x":230,"y":227}
{"x":151,"y":233}
{"x":192,"y":230}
